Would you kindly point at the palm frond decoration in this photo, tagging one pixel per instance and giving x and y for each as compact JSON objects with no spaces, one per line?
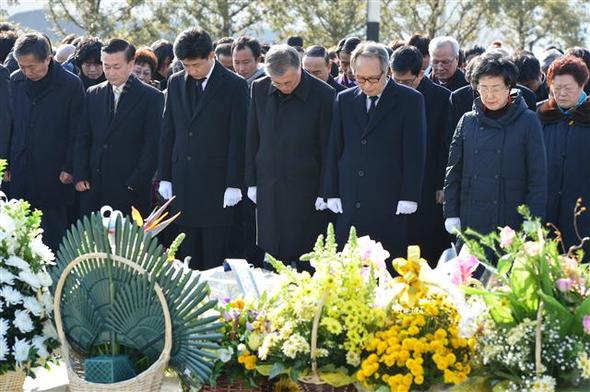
{"x":108,"y":302}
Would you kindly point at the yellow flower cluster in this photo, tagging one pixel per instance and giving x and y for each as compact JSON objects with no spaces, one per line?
{"x":422,"y":343}
{"x":237,"y":304}
{"x":248,"y":360}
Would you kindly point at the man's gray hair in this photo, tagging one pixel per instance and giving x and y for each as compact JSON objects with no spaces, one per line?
{"x":439,"y":42}
{"x":280,"y":58}
{"x":372,"y":50}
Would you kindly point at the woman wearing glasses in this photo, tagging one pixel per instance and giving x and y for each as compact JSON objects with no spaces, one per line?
{"x":566,"y":125}
{"x":497,"y":157}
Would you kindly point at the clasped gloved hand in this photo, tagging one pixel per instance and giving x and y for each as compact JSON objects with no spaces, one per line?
{"x":231,"y":197}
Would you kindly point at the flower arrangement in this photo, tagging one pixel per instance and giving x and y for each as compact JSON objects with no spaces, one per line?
{"x":535,"y":333}
{"x":243,"y":328}
{"x":421,"y":345}
{"x":27,"y":336}
{"x":320,"y":323}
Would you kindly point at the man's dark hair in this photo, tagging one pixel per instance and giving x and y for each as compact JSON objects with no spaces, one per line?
{"x":528,"y":66}
{"x":407,"y":58}
{"x":193,"y":43}
{"x":7,"y":40}
{"x":350,"y":45}
{"x":474,"y":51}
{"x":68,"y":39}
{"x":88,"y":51}
{"x":32,"y":43}
{"x":318,"y":51}
{"x":244,"y":42}
{"x":223,"y":50}
{"x":223,"y":40}
{"x":494,"y":64}
{"x":581,"y":53}
{"x":163,"y":51}
{"x":117,"y":45}
{"x":7,"y":27}
{"x":294,"y":41}
{"x":420,"y":42}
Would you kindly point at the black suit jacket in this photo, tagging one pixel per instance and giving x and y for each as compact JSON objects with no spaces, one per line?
{"x":5,"y":112}
{"x":203,"y":154}
{"x":335,"y":85}
{"x":116,"y":150}
{"x":374,"y":164}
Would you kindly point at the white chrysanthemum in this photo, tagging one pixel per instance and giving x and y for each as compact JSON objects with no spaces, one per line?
{"x":543,"y":384}
{"x":11,"y":296}
{"x":3,"y":327}
{"x":49,"y":330}
{"x":33,"y":306}
{"x":1,"y":306}
{"x":6,"y":277}
{"x":47,"y":300}
{"x":15,"y":261}
{"x":22,"y":320}
{"x":294,"y":345}
{"x":3,"y":348}
{"x":39,"y":344}
{"x":225,"y":354}
{"x":40,"y":249}
{"x":353,"y":358}
{"x":44,"y":278}
{"x":29,"y":278}
{"x":20,"y":350}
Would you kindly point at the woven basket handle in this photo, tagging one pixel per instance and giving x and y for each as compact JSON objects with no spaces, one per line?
{"x":314,"y":336}
{"x":103,"y":256}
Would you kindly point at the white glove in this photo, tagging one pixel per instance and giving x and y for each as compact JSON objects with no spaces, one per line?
{"x":405,"y":207}
{"x":252,"y":194}
{"x":320,"y":204}
{"x":335,"y":205}
{"x":452,"y":225}
{"x":231,"y":197}
{"x":165,"y":189}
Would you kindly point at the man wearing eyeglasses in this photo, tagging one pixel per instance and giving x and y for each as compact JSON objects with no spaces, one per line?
{"x":376,"y":153}
{"x":288,"y":127}
{"x":426,"y":227}
{"x":444,"y":60}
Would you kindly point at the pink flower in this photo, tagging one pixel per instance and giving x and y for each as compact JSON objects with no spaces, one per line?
{"x":464,"y":268}
{"x":372,"y":252}
{"x":533,"y":249}
{"x":564,"y":285}
{"x":586,"y":324}
{"x":506,"y":236}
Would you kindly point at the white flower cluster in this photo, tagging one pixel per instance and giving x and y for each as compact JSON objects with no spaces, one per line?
{"x":26,"y":334}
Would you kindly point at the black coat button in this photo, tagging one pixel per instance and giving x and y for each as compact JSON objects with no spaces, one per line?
{"x":361,"y":173}
{"x":357,"y":204}
{"x":364,"y":141}
{"x":188,"y":158}
{"x":105,"y":146}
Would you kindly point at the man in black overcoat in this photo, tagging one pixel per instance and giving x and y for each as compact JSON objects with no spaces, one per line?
{"x":288,"y":128}
{"x":116,"y":148}
{"x":47,"y":106}
{"x":5,"y":113}
{"x":376,"y":153}
{"x":426,"y":226}
{"x":201,"y":155}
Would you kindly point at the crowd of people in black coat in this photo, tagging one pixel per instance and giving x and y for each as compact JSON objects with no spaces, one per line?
{"x":262,"y":146}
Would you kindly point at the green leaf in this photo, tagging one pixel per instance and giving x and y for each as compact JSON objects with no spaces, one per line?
{"x":277,"y":369}
{"x":504,"y":265}
{"x":337,"y":379}
{"x":557,"y":312}
{"x":524,"y":283}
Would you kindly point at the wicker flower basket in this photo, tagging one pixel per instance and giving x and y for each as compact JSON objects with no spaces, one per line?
{"x":12,"y":381}
{"x":149,"y":380}
{"x":225,"y":385}
{"x":313,"y":382}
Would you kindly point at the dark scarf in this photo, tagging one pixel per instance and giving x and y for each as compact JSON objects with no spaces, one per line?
{"x":549,"y":112}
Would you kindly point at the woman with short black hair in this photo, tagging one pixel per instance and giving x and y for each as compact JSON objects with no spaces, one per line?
{"x":497,"y":157}
{"x":566,"y":127}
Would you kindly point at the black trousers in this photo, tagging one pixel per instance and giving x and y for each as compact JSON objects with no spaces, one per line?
{"x":207,"y":247}
{"x":54,"y":223}
{"x":243,"y":233}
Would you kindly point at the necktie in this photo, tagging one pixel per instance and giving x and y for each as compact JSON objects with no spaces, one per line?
{"x":197,"y":93}
{"x":372,"y":107}
{"x":117,"y":91}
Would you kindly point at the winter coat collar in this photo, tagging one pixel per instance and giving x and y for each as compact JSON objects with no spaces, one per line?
{"x":515,"y":109}
{"x":549,"y":113}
